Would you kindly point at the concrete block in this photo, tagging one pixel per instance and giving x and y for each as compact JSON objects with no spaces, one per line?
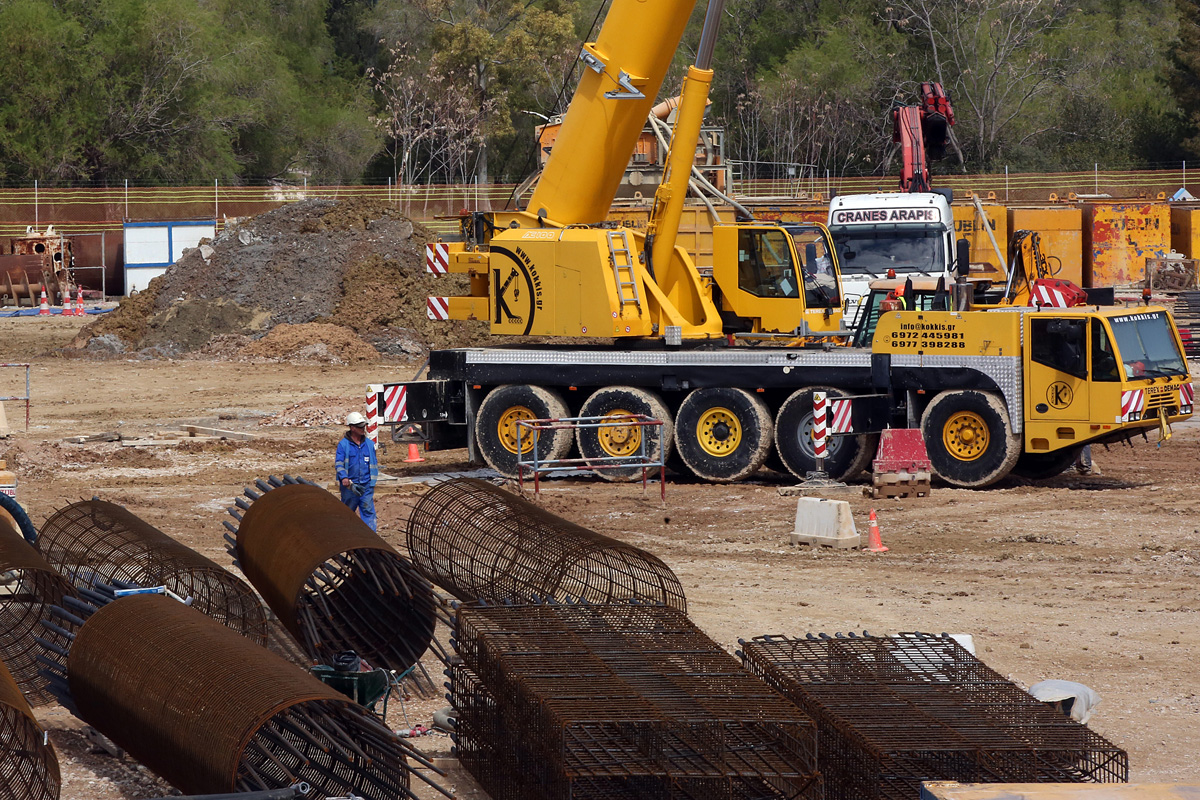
{"x":824,"y":523}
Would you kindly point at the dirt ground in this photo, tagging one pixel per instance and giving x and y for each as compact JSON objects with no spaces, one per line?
{"x":1085,"y":578}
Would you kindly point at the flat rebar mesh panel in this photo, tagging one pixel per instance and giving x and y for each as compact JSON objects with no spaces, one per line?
{"x":893,"y":711}
{"x":332,"y":581}
{"x":95,"y":542}
{"x":619,"y":700}
{"x":212,"y":712}
{"x":28,"y":587}
{"x":480,"y":542}
{"x":28,"y":766}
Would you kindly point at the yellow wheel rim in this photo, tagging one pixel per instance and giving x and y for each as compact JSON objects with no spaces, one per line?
{"x":966,"y":436}
{"x":506,"y":429}
{"x":620,"y":441}
{"x":719,"y":432}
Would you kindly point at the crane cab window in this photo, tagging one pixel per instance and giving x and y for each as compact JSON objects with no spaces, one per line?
{"x":821,"y":287}
{"x":1060,"y":344}
{"x":1104,"y":358}
{"x":765,"y":265}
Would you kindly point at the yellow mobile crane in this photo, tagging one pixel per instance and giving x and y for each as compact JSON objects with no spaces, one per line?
{"x":730,"y":363}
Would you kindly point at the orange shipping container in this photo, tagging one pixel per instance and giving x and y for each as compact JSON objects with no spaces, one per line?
{"x":968,"y":225}
{"x":1185,"y":229}
{"x":1118,"y":237}
{"x":1061,"y":233}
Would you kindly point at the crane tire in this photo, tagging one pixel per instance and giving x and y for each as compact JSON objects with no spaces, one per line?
{"x":1040,"y":466}
{"x":496,"y":425}
{"x":969,"y":438}
{"x":846,"y":456}
{"x":624,"y":441}
{"x":723,"y":434}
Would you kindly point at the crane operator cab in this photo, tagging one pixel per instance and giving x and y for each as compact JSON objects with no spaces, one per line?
{"x":777,"y":278}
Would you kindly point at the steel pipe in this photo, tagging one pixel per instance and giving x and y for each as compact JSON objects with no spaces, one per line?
{"x":28,"y":588}
{"x":95,"y":542}
{"x":212,"y":712}
{"x":28,"y":766}
{"x":480,"y":542}
{"x":332,"y":581}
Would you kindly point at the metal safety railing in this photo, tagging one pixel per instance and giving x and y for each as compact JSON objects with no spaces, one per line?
{"x":644,"y":459}
{"x":24,"y":397}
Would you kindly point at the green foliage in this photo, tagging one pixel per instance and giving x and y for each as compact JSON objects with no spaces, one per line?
{"x":175,"y":91}
{"x":241,"y":90}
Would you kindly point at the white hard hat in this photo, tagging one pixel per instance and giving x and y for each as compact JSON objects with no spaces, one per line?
{"x":355,"y":418}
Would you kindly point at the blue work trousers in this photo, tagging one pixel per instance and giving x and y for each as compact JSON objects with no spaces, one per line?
{"x":364,"y":505}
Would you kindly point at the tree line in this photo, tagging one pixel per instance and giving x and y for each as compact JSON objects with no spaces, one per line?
{"x":427,"y":91}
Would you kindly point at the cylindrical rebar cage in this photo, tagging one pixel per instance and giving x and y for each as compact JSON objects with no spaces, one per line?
{"x":28,"y":766}
{"x":94,"y":542}
{"x":480,"y":542}
{"x":28,"y":587}
{"x":210,"y":711}
{"x":332,"y":581}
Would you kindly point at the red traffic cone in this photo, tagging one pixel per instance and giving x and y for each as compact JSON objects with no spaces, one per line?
{"x":78,"y":309}
{"x":874,"y":543}
{"x":414,"y":455}
{"x":44,"y":307}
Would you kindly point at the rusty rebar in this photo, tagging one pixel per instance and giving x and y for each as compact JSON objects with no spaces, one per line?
{"x":333,"y":582}
{"x":28,"y":766}
{"x":480,"y":542}
{"x":894,"y":711}
{"x":621,"y":700}
{"x":210,"y":711}
{"x":28,"y":587}
{"x":96,"y":542}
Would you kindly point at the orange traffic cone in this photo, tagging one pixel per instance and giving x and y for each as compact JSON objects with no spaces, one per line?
{"x":874,"y":543}
{"x":44,"y":307}
{"x":414,"y":455}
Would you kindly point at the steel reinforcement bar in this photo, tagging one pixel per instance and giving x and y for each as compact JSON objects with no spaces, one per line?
{"x":331,"y":580}
{"x":28,"y":766}
{"x":210,"y":711}
{"x":28,"y":587}
{"x":894,"y":711}
{"x":96,"y":542}
{"x":480,"y":542}
{"x":618,"y":701}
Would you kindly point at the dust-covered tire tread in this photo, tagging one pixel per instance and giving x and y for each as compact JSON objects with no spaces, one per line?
{"x":757,"y":434}
{"x":544,"y":403}
{"x":636,"y":401}
{"x":846,"y":457}
{"x":1043,"y":466}
{"x":1004,"y":447}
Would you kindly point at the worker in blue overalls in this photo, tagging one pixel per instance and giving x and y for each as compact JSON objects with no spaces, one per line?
{"x":357,"y":468}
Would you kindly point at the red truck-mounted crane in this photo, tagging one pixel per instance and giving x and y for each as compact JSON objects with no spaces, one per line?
{"x":922,"y":132}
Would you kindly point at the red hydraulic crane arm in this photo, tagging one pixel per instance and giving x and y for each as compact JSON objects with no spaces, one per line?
{"x":906,"y":129}
{"x":922,"y":132}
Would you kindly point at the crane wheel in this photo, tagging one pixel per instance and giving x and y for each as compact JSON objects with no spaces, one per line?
{"x":496,"y":431}
{"x":845,"y":456}
{"x":723,"y":434}
{"x":969,"y":438}
{"x":624,"y":441}
{"x":1040,"y":466}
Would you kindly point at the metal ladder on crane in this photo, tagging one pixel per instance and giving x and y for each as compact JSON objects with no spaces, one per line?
{"x":621,"y":257}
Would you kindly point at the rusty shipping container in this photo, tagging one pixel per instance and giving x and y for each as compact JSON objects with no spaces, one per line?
{"x":1061,"y":230}
{"x":1118,"y":237}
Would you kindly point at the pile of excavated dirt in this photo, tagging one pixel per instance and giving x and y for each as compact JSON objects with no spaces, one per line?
{"x":357,"y":264}
{"x":313,"y":341}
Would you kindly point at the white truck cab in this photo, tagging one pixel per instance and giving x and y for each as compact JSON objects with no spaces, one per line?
{"x":911,"y":234}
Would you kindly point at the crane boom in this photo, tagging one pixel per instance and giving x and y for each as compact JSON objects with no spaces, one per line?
{"x":624,"y":69}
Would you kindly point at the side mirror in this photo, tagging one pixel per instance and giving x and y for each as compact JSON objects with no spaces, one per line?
{"x":962,"y":258}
